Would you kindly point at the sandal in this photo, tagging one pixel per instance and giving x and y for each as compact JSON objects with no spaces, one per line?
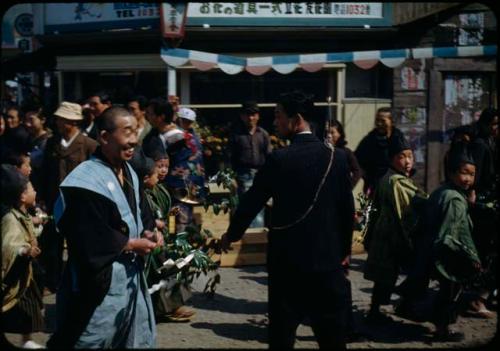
{"x":181,"y":314}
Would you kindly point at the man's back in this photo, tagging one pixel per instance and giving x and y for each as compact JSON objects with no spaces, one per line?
{"x":291,"y":176}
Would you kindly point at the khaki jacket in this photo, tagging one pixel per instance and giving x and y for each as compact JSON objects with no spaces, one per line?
{"x":17,"y":232}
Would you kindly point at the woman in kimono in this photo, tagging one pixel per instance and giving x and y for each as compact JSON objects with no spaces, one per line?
{"x":388,"y":240}
{"x":21,"y":298}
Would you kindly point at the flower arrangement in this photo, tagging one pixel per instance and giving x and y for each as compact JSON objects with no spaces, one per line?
{"x":215,"y":140}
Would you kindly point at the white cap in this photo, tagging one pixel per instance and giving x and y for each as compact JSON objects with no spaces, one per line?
{"x":186,"y":113}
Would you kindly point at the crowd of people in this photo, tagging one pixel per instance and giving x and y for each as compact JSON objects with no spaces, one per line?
{"x":107,"y":181}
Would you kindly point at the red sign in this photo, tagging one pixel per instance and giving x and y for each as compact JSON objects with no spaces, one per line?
{"x":173,"y":19}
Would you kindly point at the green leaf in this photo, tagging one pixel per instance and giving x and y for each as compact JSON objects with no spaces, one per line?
{"x":216,"y":208}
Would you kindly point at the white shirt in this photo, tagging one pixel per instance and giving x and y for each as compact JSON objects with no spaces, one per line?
{"x":65,"y":144}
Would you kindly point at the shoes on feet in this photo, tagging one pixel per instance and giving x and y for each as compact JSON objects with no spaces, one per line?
{"x":448,"y":335}
{"x":30,"y":344}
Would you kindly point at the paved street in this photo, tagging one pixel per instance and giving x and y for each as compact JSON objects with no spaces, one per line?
{"x":236,"y":318}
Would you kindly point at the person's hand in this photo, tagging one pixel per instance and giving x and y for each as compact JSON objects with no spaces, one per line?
{"x":154,"y":236}
{"x":159,"y":224}
{"x":36,"y":220}
{"x":477,"y":266}
{"x":140,"y":246}
{"x":174,"y":211}
{"x":471,"y":197}
{"x":345,"y":265}
{"x":33,"y":251}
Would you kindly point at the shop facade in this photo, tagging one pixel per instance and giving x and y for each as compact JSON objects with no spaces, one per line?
{"x":117,"y":46}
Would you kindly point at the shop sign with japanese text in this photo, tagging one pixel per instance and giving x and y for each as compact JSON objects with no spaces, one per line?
{"x":173,"y":19}
{"x":290,"y":13}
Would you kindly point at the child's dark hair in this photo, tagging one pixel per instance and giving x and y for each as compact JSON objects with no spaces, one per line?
{"x":337,"y":125}
{"x":458,"y":155}
{"x":13,"y":184}
{"x":15,"y":158}
{"x":161,"y":106}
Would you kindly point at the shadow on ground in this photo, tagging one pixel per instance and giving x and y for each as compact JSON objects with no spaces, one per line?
{"x":228,"y":304}
{"x":236,"y":331}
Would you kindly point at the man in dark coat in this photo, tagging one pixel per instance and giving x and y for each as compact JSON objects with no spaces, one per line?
{"x":310,"y":233}
{"x":63,"y":152}
{"x":372,"y":151}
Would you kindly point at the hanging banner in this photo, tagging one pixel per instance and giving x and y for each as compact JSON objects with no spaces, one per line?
{"x":173,"y":19}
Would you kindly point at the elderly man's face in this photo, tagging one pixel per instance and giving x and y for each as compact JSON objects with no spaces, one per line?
{"x":383,"y":122}
{"x":120,"y":142}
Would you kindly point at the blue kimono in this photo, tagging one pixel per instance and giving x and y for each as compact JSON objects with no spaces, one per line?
{"x":103,"y":301}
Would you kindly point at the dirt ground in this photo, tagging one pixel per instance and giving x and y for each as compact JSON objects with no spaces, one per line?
{"x":235,"y":318}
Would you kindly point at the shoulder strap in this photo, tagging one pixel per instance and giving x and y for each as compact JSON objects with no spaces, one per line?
{"x":301,"y":218}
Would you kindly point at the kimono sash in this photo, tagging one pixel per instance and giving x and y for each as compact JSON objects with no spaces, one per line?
{"x":95,"y":176}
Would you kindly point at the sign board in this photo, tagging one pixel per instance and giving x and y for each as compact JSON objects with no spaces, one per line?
{"x":17,"y":23}
{"x":173,"y":19}
{"x":290,"y":13}
{"x":89,"y":17}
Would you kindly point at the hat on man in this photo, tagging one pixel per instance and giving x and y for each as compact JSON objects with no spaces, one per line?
{"x":69,"y":110}
{"x":250,"y":107}
{"x":398,"y":144}
{"x":187,"y":113}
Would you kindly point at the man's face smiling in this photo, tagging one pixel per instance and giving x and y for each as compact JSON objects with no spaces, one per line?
{"x":122,"y":140}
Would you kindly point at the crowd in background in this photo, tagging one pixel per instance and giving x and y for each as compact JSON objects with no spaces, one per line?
{"x":448,"y":235}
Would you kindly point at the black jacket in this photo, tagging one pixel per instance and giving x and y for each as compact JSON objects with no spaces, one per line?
{"x":291,"y":176}
{"x":373,"y":156}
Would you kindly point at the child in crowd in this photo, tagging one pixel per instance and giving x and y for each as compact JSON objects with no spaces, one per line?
{"x":168,"y":303}
{"x":454,"y":254}
{"x":21,"y":298}
{"x":21,"y":161}
{"x":389,"y":238}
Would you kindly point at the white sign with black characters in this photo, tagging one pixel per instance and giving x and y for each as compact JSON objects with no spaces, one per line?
{"x":286,"y":9}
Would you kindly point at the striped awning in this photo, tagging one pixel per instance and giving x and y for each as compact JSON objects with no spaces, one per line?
{"x":285,"y":64}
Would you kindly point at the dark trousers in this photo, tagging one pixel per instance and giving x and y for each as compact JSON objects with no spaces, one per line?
{"x":445,"y":305}
{"x":322,"y":297}
{"x":51,"y":257}
{"x":381,"y":293}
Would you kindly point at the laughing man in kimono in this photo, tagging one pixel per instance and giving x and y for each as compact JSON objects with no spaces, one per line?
{"x":103,"y":300}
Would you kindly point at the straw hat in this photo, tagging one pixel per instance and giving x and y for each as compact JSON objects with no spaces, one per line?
{"x":69,"y":110}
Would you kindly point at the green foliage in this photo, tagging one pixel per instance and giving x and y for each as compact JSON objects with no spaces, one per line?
{"x":227,"y":179}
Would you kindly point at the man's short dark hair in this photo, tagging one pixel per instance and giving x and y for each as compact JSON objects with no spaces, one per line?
{"x":249,"y":107}
{"x":161,"y":106}
{"x":107,"y":120}
{"x":384,"y":110}
{"x":103,"y":96}
{"x":297,"y":102}
{"x":141,"y":100}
